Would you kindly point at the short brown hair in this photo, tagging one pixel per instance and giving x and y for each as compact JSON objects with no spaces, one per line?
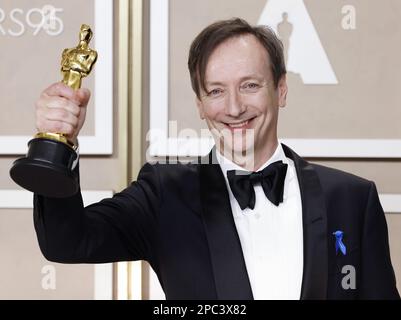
{"x":215,"y":34}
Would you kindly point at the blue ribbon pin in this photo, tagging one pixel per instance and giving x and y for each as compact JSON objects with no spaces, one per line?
{"x":339,"y":242}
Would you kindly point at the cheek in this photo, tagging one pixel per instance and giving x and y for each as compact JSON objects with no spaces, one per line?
{"x":212,"y":113}
{"x":264,"y":103}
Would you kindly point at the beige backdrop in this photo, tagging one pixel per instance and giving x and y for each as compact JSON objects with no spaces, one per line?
{"x":29,"y":64}
{"x":364,"y":61}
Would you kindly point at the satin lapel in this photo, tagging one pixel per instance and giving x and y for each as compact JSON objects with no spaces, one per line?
{"x":230,"y":274}
{"x":314,"y":216}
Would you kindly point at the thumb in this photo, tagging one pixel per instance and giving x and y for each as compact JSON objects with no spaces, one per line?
{"x":83,"y":95}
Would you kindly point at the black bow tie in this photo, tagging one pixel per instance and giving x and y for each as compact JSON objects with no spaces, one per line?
{"x":271,"y":178}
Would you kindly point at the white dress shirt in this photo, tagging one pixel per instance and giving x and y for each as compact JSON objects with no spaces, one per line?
{"x":271,"y":237}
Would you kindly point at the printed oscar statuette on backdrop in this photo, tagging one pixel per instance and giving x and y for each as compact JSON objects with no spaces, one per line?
{"x":47,"y":168}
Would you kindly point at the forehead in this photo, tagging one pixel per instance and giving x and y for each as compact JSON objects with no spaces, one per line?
{"x":238,"y":56}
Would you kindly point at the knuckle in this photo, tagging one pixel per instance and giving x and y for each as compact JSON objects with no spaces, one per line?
{"x":47,"y":103}
{"x":76,"y":110}
{"x":58,"y":127}
{"x":61,"y":114}
{"x":52,"y":90}
{"x":70,"y":130}
{"x":63,"y":102}
{"x":70,"y":106}
{"x":58,"y":87}
{"x":75,"y":123}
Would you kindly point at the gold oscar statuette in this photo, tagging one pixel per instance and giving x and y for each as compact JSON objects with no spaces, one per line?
{"x":48,"y":167}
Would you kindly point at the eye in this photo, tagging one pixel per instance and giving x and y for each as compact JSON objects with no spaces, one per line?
{"x":251,"y":85}
{"x":215,"y":92}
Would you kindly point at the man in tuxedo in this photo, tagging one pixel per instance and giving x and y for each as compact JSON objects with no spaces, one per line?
{"x":253,"y":220}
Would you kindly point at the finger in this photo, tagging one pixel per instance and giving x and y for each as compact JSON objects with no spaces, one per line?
{"x":58,"y":127}
{"x":83,"y":95}
{"x":79,"y":97}
{"x":62,"y":115}
{"x":61,"y":90}
{"x":61,"y":103}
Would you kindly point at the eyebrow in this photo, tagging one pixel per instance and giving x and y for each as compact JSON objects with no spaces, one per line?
{"x":249,"y":77}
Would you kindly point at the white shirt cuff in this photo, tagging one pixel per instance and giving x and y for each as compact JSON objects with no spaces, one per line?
{"x":74,"y":164}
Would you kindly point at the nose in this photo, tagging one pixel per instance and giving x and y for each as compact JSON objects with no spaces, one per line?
{"x":234,"y":104}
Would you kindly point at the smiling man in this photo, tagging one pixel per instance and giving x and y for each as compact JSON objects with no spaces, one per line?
{"x":253,"y":220}
{"x":238,"y":92}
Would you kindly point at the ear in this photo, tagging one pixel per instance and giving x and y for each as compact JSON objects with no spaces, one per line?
{"x":282,"y":91}
{"x":199,"y":104}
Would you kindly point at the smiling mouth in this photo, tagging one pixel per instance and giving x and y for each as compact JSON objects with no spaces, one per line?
{"x":247,"y":124}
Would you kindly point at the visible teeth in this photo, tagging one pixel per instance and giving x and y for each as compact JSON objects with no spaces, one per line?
{"x":238,"y":125}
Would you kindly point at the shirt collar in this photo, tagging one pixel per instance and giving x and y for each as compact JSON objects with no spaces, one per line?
{"x":226,"y":164}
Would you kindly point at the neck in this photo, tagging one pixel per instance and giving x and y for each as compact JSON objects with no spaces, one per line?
{"x":83,"y":44}
{"x":252,"y":161}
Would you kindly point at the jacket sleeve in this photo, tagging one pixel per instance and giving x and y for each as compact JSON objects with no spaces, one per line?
{"x":116,"y":229}
{"x":377,"y":274}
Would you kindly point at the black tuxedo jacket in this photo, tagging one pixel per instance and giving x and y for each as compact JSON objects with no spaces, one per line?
{"x":178,"y":218}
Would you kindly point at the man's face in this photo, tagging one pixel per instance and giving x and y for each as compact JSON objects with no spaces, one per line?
{"x":241,"y":98}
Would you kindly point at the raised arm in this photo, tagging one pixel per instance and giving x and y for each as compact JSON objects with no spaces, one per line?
{"x":116,"y":229}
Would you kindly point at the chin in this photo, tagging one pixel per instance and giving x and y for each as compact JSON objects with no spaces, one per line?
{"x":239,"y":147}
